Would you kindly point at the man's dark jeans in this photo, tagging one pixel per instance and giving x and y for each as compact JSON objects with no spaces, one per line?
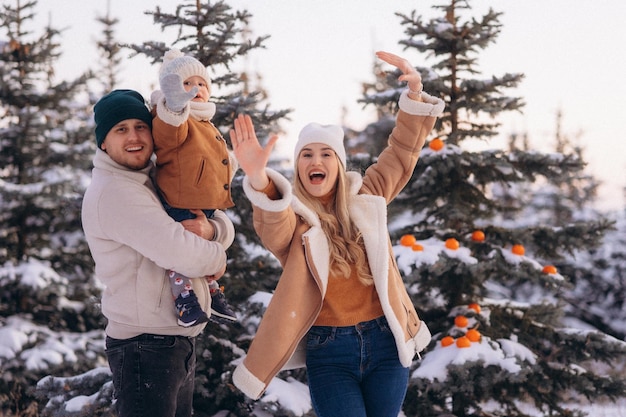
{"x":153,"y":375}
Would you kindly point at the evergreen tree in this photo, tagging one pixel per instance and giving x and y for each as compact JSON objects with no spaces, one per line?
{"x":560,"y":199}
{"x":219,"y":37}
{"x":93,"y":387}
{"x":44,"y":261}
{"x":500,"y":346}
{"x":109,"y":50}
{"x":568,"y":197}
{"x":596,"y":295}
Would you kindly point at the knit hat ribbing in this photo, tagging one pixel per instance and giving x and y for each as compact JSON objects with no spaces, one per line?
{"x":331,"y":135}
{"x":175,"y":62}
{"x":116,"y":106}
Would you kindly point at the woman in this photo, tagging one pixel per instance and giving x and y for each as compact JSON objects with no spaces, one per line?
{"x":340,"y":292}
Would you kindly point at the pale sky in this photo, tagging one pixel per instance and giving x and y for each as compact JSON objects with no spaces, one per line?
{"x":571,"y":52}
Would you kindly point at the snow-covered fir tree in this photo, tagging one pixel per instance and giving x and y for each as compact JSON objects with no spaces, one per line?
{"x":595,"y":296}
{"x":598,"y":296}
{"x":88,"y":393}
{"x":45,"y":265}
{"x":565,"y":197}
{"x":477,"y":264}
{"x":525,"y":360}
{"x":109,"y":49}
{"x":217,"y":36}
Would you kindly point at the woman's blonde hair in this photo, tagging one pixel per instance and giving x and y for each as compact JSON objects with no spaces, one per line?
{"x":344,"y":239}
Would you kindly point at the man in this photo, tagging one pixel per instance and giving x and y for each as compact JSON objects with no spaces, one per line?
{"x":133,"y":243}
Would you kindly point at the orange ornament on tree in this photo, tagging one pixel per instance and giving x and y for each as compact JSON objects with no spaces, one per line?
{"x":478,"y":236}
{"x":452,"y":243}
{"x":463,"y":342}
{"x":447,"y":341}
{"x":407,"y":240}
{"x":549,"y":269}
{"x":436,"y":144}
{"x":474,"y":306}
{"x":417,"y":247}
{"x":461,"y":321}
{"x":518,"y":250}
{"x":473,"y":335}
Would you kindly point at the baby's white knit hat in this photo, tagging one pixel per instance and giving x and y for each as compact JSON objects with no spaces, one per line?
{"x":331,"y":135}
{"x":175,"y":62}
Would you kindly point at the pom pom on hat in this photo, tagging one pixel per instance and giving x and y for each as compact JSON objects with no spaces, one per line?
{"x":116,"y":106}
{"x":331,"y":135}
{"x":175,"y":62}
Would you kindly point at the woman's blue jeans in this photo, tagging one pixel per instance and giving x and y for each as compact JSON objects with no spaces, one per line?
{"x":153,"y":375}
{"x":355,"y":371}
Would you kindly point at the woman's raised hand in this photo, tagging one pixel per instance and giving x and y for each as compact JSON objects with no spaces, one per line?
{"x":251,"y":156}
{"x":409,"y":74}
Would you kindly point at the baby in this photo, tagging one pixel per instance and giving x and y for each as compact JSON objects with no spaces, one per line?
{"x":194,"y":166}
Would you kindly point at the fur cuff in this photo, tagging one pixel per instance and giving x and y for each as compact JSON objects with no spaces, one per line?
{"x":431,"y":106}
{"x":422,"y":338}
{"x":259,"y":199}
{"x":247,"y":383}
{"x":415,"y":345}
{"x":224,"y":229}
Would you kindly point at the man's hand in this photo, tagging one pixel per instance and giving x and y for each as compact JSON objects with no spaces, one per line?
{"x":200,"y":225}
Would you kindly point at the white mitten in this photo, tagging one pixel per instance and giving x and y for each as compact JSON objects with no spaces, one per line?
{"x":176,"y":98}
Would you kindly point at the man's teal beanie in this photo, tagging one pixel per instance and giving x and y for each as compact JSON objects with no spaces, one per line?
{"x":116,"y":106}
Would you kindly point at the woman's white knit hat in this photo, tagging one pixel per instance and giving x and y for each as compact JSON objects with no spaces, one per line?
{"x":331,"y":135}
{"x":175,"y":62}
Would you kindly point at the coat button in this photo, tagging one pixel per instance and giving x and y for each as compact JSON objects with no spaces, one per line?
{"x":226,"y":186}
{"x":225,"y":161}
